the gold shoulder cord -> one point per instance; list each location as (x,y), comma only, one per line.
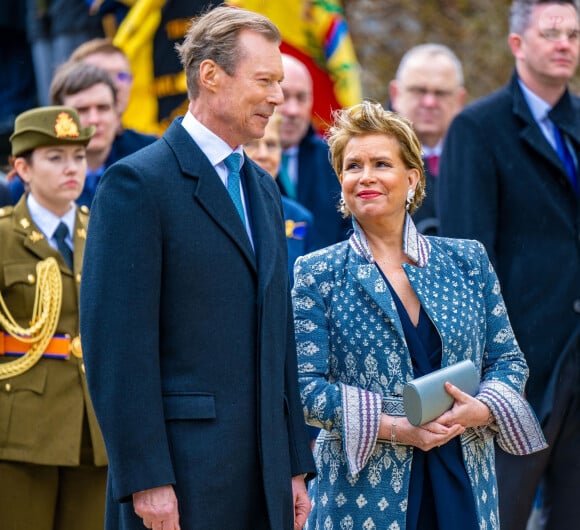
(45,316)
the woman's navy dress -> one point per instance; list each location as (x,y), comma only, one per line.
(440,495)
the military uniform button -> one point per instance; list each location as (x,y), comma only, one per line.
(78,278)
(31,278)
(83,368)
(577,306)
(8,387)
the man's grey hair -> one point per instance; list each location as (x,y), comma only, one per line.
(430,50)
(214,36)
(521,12)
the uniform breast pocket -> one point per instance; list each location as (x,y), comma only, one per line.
(20,400)
(20,289)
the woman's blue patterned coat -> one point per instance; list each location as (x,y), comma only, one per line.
(354,361)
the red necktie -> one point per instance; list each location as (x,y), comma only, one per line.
(433,164)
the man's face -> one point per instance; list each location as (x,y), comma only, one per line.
(243,102)
(297,107)
(428,94)
(118,67)
(96,106)
(547,52)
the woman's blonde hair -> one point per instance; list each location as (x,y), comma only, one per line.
(370,117)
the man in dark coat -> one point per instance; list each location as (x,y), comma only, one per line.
(428,90)
(504,183)
(185,312)
(310,179)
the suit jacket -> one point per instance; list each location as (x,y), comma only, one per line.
(318,190)
(42,410)
(191,362)
(502,183)
(354,361)
(426,217)
(299,227)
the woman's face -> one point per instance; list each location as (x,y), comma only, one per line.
(55,175)
(375,180)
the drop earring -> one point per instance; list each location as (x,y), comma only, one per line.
(410,198)
(342,204)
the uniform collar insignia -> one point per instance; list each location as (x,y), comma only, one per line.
(35,236)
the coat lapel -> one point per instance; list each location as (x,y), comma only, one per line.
(531,132)
(32,237)
(372,283)
(210,193)
(361,265)
(264,209)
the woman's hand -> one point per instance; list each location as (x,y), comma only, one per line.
(466,411)
(425,437)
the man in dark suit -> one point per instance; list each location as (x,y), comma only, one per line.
(428,90)
(503,182)
(310,179)
(186,316)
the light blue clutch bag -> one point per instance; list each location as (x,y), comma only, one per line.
(425,398)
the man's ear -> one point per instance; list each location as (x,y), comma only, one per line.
(209,74)
(515,44)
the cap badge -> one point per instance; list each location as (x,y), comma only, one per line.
(65,126)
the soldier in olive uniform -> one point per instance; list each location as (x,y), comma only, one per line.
(52,457)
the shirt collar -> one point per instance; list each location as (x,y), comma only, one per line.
(291,151)
(210,143)
(433,151)
(415,245)
(538,107)
(46,221)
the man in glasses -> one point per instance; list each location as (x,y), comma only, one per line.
(103,53)
(509,178)
(428,90)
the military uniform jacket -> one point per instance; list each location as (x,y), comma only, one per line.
(42,410)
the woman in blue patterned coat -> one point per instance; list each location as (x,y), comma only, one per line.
(380,309)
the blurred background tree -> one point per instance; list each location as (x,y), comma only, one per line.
(476,30)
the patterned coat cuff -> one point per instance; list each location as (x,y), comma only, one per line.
(362,416)
(519,432)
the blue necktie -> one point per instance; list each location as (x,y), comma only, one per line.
(284,177)
(60,235)
(566,157)
(233,162)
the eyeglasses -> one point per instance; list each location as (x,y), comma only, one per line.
(124,77)
(271,146)
(556,35)
(420,92)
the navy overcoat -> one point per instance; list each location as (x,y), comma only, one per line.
(188,340)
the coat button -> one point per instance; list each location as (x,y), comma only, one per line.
(8,387)
(31,279)
(83,368)
(577,306)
